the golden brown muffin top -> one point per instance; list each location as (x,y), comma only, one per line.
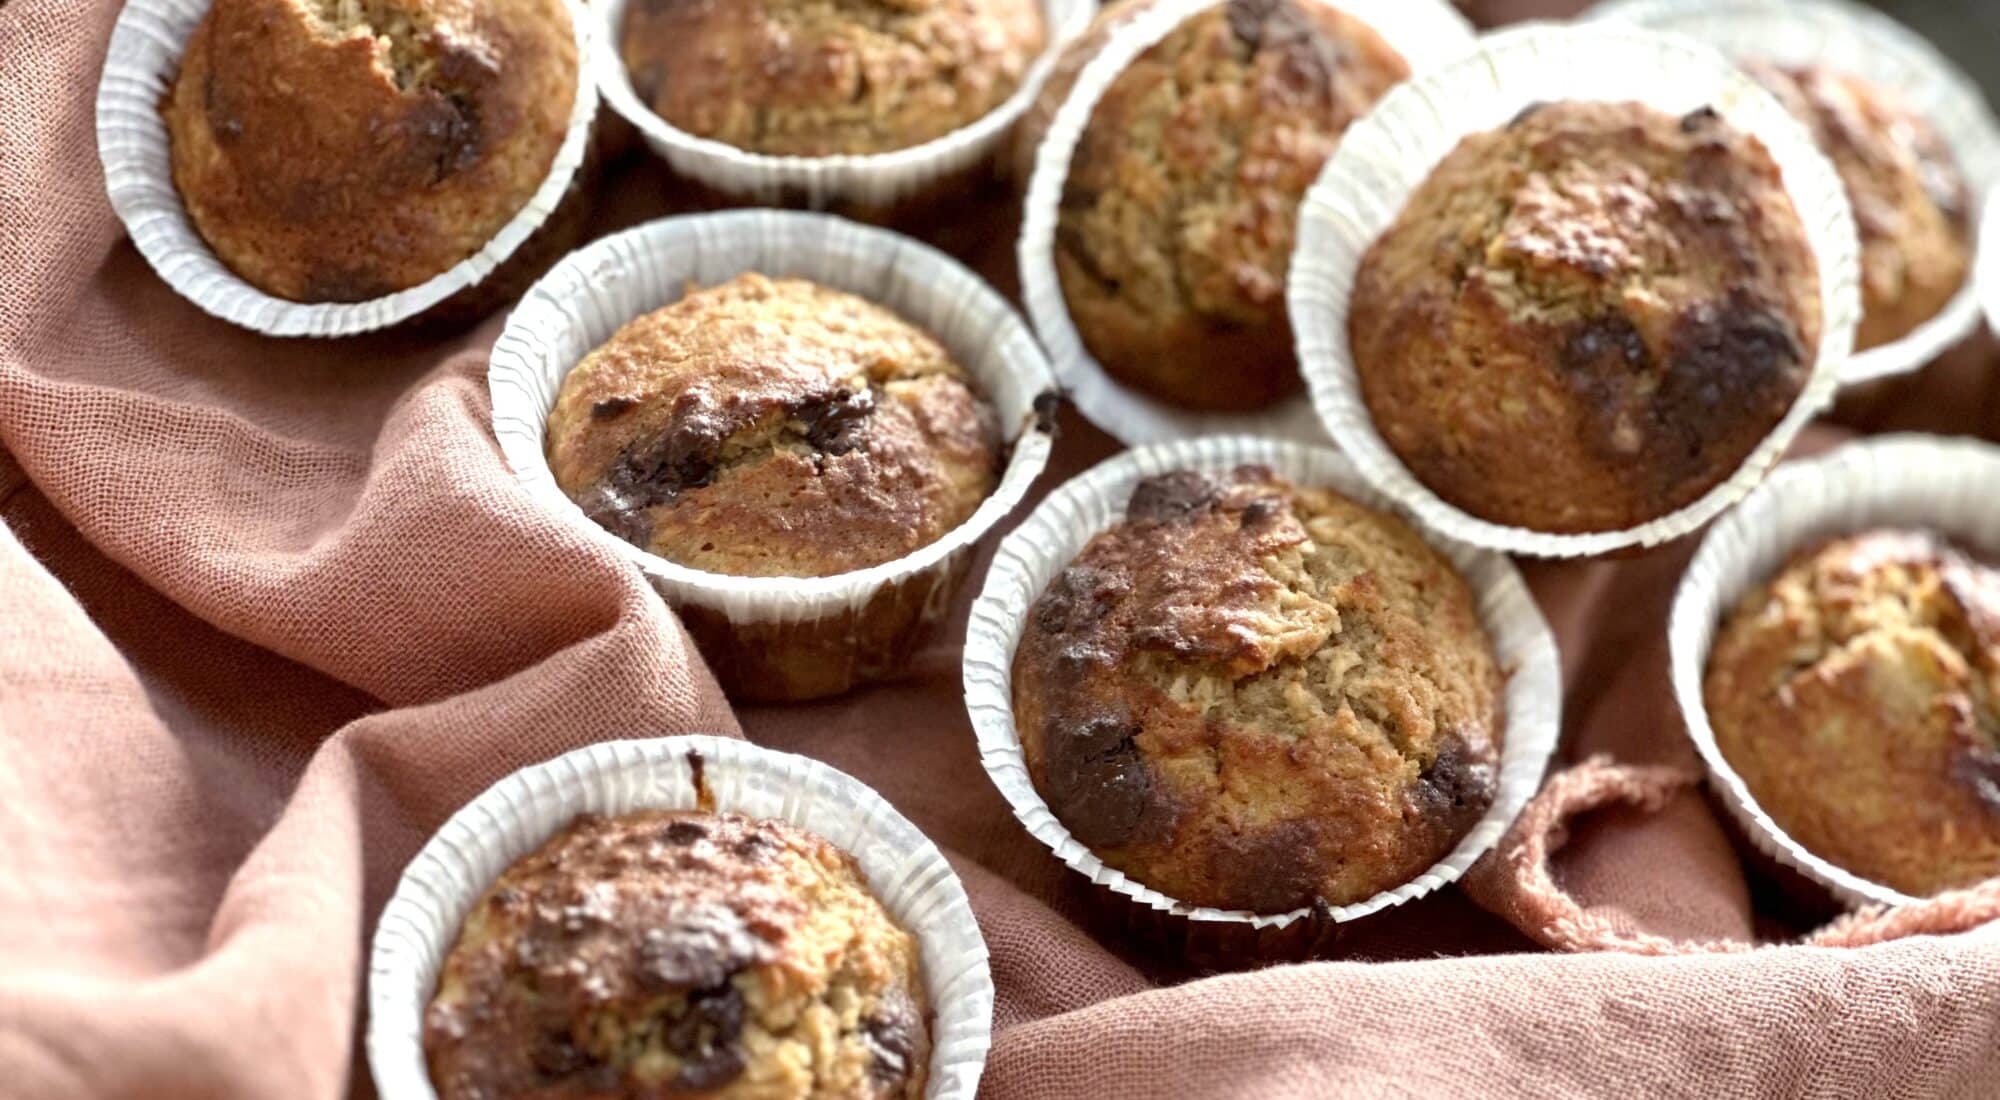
(1910,202)
(774,427)
(1254,695)
(1177,219)
(1858,696)
(1587,318)
(819,77)
(666,954)
(341,150)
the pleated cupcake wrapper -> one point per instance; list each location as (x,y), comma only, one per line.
(1905,481)
(139,71)
(1426,32)
(1987,272)
(1056,532)
(1389,152)
(871,180)
(518,814)
(581,302)
(1858,41)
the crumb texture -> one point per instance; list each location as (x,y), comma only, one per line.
(1178,215)
(341,150)
(680,954)
(774,427)
(1258,696)
(1910,202)
(821,77)
(1858,696)
(1588,318)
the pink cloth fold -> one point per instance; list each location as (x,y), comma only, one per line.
(271,610)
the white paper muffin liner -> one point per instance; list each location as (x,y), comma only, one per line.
(1388,153)
(518,814)
(1909,481)
(1052,536)
(865,180)
(139,70)
(1859,41)
(584,299)
(1426,32)
(1987,271)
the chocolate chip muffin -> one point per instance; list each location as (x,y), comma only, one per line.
(820,77)
(774,428)
(680,954)
(1259,696)
(1177,219)
(1858,696)
(1910,202)
(342,150)
(1588,318)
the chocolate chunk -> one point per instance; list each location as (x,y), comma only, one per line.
(651,472)
(446,125)
(1171,497)
(892,1033)
(1262,510)
(1456,786)
(705,1039)
(834,421)
(696,948)
(1727,362)
(1524,114)
(684,832)
(1078,598)
(1099,785)
(1310,58)
(1698,119)
(612,407)
(555,1054)
(1047,404)
(1604,361)
(222,117)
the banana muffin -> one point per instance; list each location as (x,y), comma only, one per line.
(1176,224)
(774,428)
(1588,318)
(1858,696)
(820,77)
(1910,202)
(1259,696)
(680,954)
(342,150)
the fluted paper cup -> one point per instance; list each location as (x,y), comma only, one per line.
(1388,153)
(521,812)
(1858,41)
(1057,531)
(868,181)
(144,59)
(1908,481)
(847,628)
(1426,32)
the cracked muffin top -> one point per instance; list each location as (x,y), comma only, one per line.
(774,427)
(680,954)
(1259,696)
(820,77)
(1910,202)
(1588,318)
(1858,696)
(1176,224)
(341,150)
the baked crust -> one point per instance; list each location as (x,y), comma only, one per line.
(1858,696)
(1588,318)
(1910,202)
(774,427)
(667,954)
(1257,696)
(1177,219)
(341,150)
(821,77)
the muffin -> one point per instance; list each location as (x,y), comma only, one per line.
(342,150)
(814,78)
(777,428)
(680,954)
(1910,202)
(1258,696)
(1175,229)
(1858,696)
(774,428)
(1588,318)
